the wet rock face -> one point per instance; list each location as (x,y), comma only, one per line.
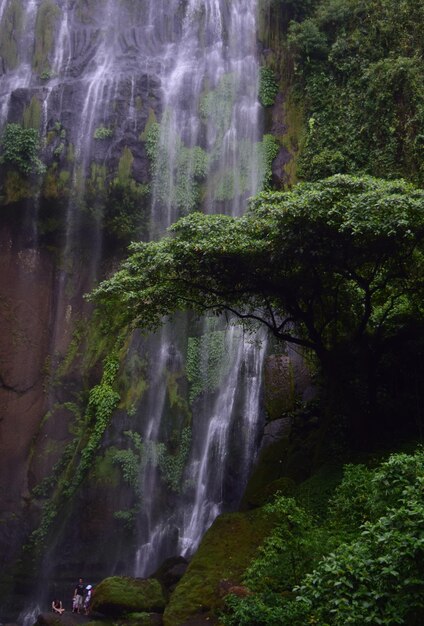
(85,75)
(25,307)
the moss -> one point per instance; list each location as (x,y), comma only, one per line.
(176,397)
(45,24)
(119,595)
(105,473)
(97,181)
(125,166)
(293,137)
(32,114)
(132,392)
(286,486)
(10,30)
(70,155)
(16,188)
(149,123)
(56,185)
(225,552)
(270,466)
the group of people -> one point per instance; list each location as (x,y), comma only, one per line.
(80,601)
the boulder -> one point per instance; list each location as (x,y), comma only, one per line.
(171,571)
(120,595)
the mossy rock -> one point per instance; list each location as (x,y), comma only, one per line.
(225,552)
(286,486)
(120,595)
(271,466)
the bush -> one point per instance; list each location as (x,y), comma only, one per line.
(20,147)
(374,576)
(268,87)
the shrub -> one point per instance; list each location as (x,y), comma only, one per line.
(20,148)
(268,87)
(102,132)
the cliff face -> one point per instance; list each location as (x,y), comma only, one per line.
(116,119)
(71,76)
(26,278)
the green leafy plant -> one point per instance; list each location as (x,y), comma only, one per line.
(172,465)
(371,573)
(20,148)
(103,132)
(268,86)
(207,362)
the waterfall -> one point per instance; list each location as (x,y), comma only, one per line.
(103,82)
(211,114)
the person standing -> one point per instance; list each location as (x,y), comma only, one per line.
(79,593)
(87,599)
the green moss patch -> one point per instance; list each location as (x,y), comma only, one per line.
(119,595)
(226,550)
(10,30)
(47,16)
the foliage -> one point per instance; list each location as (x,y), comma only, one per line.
(268,87)
(176,177)
(287,552)
(129,463)
(332,266)
(216,109)
(207,362)
(374,576)
(350,505)
(20,148)
(102,132)
(129,459)
(359,75)
(121,205)
(268,150)
(172,465)
(126,209)
(102,401)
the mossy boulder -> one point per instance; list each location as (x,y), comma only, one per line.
(120,595)
(226,550)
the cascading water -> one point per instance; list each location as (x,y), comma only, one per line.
(104,85)
(209,136)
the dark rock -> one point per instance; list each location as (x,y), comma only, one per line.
(66,619)
(171,571)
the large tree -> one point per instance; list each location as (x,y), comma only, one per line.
(335,266)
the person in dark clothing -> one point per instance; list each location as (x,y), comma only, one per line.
(79,593)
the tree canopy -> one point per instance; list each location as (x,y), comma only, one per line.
(330,264)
